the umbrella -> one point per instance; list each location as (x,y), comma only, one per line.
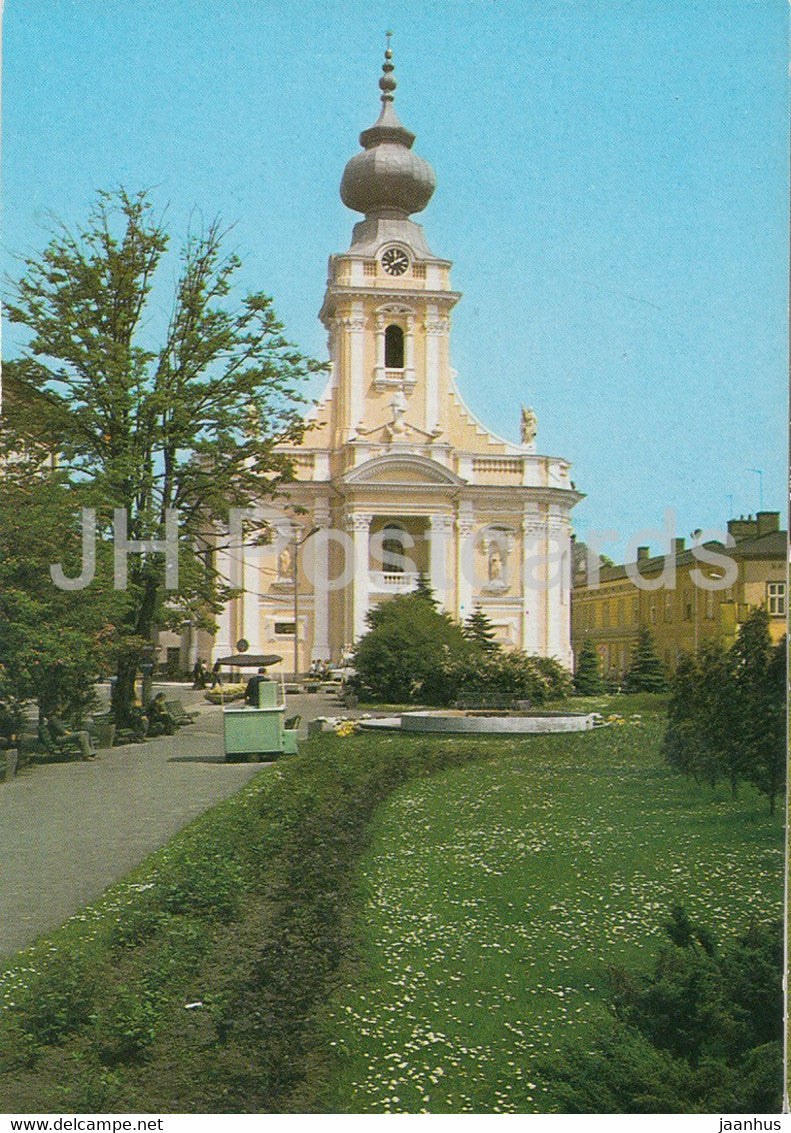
(245,660)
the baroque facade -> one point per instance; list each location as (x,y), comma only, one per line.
(395,476)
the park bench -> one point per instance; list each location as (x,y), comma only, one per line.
(180,714)
(41,743)
(485,704)
(9,759)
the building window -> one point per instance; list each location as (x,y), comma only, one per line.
(419,271)
(668,607)
(710,604)
(635,612)
(393,549)
(621,611)
(369,267)
(687,608)
(394,347)
(284,629)
(776,599)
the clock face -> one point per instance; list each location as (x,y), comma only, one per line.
(394,261)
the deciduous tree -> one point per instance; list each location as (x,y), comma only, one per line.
(186,418)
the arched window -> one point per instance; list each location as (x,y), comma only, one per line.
(394,347)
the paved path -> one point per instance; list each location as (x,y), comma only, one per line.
(68,830)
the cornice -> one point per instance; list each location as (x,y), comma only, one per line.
(387,294)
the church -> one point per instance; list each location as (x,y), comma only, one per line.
(395,477)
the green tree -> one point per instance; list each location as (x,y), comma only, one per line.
(680,740)
(480,632)
(700,1033)
(646,671)
(758,734)
(54,643)
(190,423)
(401,658)
(588,679)
(423,589)
(727,712)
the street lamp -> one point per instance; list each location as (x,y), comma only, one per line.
(296,544)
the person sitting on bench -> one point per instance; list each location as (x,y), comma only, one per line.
(61,736)
(160,721)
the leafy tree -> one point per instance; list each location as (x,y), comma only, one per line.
(480,632)
(646,671)
(190,423)
(588,677)
(401,658)
(498,679)
(53,643)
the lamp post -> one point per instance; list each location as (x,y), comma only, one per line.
(296,544)
(760,474)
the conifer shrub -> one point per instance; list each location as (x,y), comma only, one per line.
(701,1033)
(646,672)
(588,675)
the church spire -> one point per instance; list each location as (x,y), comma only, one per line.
(387,179)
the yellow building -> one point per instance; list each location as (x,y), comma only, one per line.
(396,477)
(680,611)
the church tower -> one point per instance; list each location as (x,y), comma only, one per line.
(395,476)
(388,298)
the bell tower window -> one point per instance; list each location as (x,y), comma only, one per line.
(394,347)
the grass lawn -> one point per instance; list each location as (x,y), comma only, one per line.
(381,923)
(494,896)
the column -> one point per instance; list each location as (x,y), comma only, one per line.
(321,574)
(380,325)
(436,327)
(251,607)
(440,527)
(355,324)
(558,599)
(533,580)
(359,524)
(465,560)
(409,351)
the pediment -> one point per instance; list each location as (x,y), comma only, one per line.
(402,469)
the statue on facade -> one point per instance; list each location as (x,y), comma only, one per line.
(529,426)
(285,562)
(399,408)
(495,564)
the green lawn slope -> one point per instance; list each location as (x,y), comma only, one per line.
(380,923)
(494,898)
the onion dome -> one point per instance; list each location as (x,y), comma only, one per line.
(387,179)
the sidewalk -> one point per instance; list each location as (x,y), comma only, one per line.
(68,830)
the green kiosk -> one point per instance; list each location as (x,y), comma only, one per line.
(253,731)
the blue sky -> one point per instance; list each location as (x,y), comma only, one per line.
(612,189)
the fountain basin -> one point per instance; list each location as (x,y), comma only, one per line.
(454,722)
